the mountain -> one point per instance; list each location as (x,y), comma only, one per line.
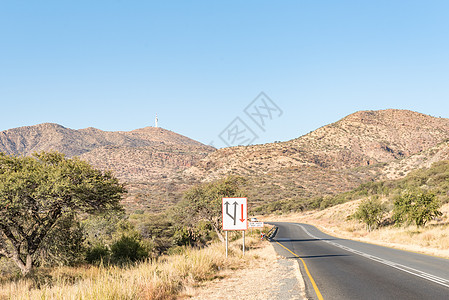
(157,165)
(332,159)
(49,136)
(146,159)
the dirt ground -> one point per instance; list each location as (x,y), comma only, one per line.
(267,276)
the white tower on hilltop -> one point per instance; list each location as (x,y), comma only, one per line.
(155,121)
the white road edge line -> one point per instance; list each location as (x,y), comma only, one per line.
(417,273)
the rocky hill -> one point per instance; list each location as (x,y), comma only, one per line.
(147,159)
(158,164)
(49,136)
(424,159)
(332,159)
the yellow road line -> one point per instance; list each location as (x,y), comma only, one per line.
(315,287)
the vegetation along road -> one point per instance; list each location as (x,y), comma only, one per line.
(343,269)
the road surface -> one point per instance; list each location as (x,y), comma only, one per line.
(336,268)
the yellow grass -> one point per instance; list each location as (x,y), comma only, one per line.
(162,279)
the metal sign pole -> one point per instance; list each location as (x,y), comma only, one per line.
(226,244)
(243,242)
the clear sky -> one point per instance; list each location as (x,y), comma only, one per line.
(198,64)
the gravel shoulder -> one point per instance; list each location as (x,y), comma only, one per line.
(266,276)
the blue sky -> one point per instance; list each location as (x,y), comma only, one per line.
(114,64)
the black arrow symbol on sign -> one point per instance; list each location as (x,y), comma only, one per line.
(233,217)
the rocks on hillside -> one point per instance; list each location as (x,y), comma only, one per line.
(147,160)
(334,158)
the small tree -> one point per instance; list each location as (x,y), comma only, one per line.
(203,202)
(370,212)
(416,207)
(40,193)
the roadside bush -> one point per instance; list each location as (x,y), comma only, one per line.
(197,236)
(416,207)
(97,254)
(128,249)
(371,212)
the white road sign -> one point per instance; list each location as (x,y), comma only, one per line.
(255,224)
(235,213)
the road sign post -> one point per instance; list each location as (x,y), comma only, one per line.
(234,217)
(243,248)
(226,244)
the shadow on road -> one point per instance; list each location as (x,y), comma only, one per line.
(302,240)
(323,256)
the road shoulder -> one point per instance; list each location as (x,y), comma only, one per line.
(267,276)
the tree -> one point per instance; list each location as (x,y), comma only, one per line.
(203,202)
(64,244)
(370,212)
(416,207)
(40,193)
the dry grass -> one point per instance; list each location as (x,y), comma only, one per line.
(264,278)
(162,279)
(433,239)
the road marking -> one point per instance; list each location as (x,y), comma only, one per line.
(427,276)
(315,287)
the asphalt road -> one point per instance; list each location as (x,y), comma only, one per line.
(345,269)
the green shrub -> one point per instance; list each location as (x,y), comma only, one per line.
(370,212)
(98,254)
(128,249)
(191,236)
(416,207)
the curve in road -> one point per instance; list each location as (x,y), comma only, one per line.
(345,269)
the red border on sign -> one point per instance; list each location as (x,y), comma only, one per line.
(222,213)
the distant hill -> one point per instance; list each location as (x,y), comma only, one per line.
(147,159)
(157,164)
(332,159)
(49,136)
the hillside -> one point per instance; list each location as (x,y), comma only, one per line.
(332,159)
(146,159)
(158,164)
(398,168)
(49,136)
(434,179)
(430,239)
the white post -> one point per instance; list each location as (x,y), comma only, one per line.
(243,242)
(226,243)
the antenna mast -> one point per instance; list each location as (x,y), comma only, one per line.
(155,121)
